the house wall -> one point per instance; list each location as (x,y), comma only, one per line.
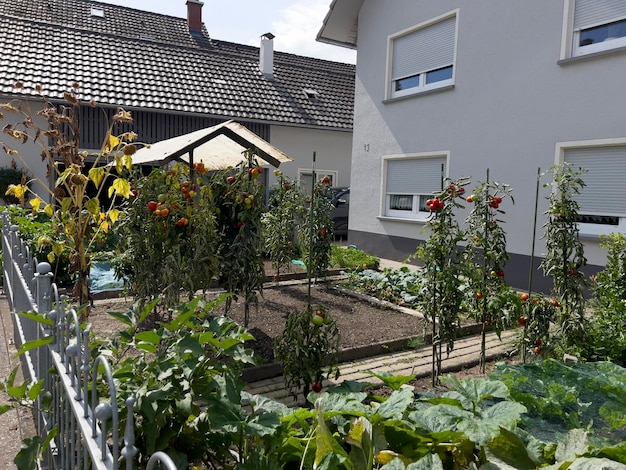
(30,152)
(511,103)
(332,150)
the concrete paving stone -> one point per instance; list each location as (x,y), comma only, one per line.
(466,353)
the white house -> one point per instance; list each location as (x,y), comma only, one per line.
(509,86)
(174,78)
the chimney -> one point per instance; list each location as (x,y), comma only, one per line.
(266,59)
(194,15)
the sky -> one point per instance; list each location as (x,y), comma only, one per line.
(294,23)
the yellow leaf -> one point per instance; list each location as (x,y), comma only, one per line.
(128,162)
(119,164)
(51,257)
(112,142)
(35,203)
(114,214)
(96,175)
(105,226)
(121,187)
(49,210)
(58,248)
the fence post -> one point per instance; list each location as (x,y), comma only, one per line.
(43,281)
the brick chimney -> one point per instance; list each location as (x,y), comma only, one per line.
(266,59)
(194,15)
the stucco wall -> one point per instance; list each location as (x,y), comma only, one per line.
(511,103)
(332,149)
(30,151)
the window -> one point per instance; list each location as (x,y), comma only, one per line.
(422,58)
(599,25)
(602,200)
(305,176)
(410,182)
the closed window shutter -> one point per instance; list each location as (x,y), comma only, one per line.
(604,192)
(589,13)
(429,48)
(414,176)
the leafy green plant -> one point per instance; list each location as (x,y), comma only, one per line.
(441,257)
(565,256)
(607,331)
(185,377)
(402,286)
(561,397)
(485,257)
(168,240)
(352,258)
(280,222)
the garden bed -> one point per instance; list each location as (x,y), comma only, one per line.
(360,322)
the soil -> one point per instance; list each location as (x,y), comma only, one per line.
(360,322)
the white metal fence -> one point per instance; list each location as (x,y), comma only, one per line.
(79,414)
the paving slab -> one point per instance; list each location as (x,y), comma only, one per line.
(418,362)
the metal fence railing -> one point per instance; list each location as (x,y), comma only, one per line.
(70,377)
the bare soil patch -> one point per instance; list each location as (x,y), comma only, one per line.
(360,323)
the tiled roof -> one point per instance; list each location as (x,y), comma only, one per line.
(57,42)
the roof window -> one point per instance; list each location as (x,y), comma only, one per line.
(97,12)
(310,93)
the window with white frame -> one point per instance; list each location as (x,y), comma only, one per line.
(409,183)
(602,199)
(305,176)
(423,57)
(598,25)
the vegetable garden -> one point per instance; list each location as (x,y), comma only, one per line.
(180,230)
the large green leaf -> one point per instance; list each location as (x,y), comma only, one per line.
(508,447)
(572,445)
(440,418)
(396,404)
(392,381)
(428,462)
(264,424)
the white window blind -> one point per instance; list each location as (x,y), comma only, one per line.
(428,48)
(604,192)
(589,13)
(414,176)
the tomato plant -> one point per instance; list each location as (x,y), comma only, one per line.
(281,221)
(316,230)
(239,202)
(168,248)
(565,256)
(441,257)
(485,257)
(307,349)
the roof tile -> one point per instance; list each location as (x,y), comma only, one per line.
(177,72)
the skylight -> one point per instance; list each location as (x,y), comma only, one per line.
(98,12)
(310,93)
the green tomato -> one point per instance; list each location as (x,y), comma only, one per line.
(317,320)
